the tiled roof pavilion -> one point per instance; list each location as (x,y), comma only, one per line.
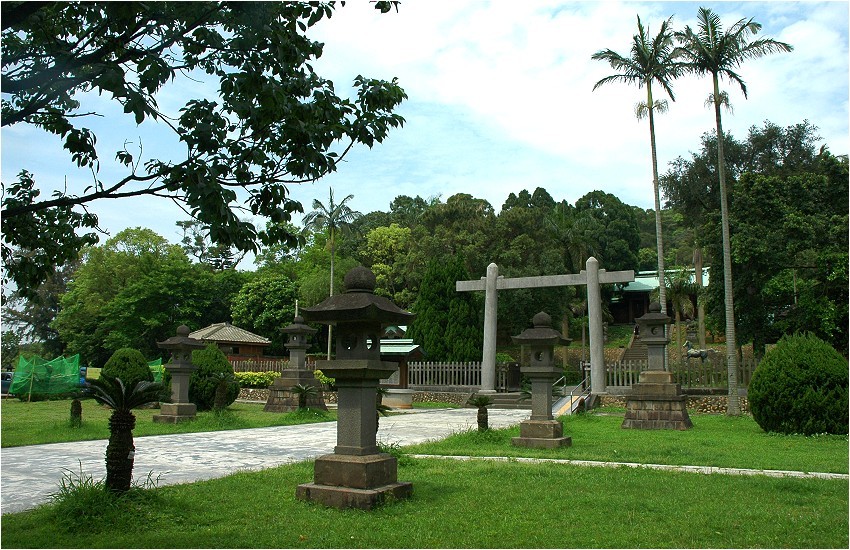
(229,334)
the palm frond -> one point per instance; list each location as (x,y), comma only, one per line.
(112,392)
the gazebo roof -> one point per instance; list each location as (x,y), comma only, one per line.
(230,334)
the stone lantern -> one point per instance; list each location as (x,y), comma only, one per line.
(357,474)
(542,430)
(281,398)
(181,368)
(656,402)
(651,328)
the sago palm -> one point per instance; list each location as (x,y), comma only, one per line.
(120,451)
(482,402)
(335,218)
(711,50)
(304,392)
(650,60)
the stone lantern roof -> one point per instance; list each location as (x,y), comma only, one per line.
(298,327)
(181,341)
(542,334)
(358,304)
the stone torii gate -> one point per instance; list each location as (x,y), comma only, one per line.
(591,276)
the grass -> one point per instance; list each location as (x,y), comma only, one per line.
(435,405)
(462,505)
(48,421)
(715,440)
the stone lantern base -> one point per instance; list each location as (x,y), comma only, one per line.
(656,403)
(350,481)
(174,413)
(282,399)
(541,434)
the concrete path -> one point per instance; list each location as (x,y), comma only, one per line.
(28,475)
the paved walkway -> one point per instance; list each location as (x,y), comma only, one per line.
(28,475)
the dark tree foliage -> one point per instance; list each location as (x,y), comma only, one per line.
(449,325)
(789,221)
(618,238)
(272,122)
(213,369)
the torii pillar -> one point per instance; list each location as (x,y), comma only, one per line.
(591,276)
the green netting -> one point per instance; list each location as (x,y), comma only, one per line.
(39,376)
(157,369)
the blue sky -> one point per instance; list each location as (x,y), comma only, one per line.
(500,100)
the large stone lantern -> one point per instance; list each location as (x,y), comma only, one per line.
(651,329)
(656,402)
(542,430)
(181,368)
(281,397)
(357,474)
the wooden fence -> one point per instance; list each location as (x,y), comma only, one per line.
(693,374)
(457,376)
(264,365)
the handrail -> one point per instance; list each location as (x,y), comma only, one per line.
(585,390)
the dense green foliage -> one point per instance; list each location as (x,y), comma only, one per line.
(272,120)
(801,386)
(264,306)
(129,365)
(448,323)
(211,363)
(790,238)
(255,379)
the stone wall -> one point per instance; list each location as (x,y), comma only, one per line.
(705,404)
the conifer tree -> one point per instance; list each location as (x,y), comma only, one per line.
(447,324)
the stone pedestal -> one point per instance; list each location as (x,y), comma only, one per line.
(348,481)
(282,399)
(656,403)
(541,434)
(174,413)
(399,398)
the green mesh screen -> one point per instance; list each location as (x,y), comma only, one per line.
(36,375)
(157,369)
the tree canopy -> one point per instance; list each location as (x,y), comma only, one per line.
(272,121)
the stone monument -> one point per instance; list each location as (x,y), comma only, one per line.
(357,474)
(656,402)
(281,397)
(541,430)
(181,368)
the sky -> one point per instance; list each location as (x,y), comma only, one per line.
(501,99)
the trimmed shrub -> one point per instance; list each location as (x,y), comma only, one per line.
(203,383)
(129,365)
(256,379)
(801,387)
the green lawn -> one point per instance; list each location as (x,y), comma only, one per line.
(463,505)
(715,440)
(47,421)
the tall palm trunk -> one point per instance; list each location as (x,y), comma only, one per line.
(734,406)
(333,255)
(659,239)
(120,451)
(700,305)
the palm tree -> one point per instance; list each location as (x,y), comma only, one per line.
(651,59)
(680,287)
(120,450)
(304,392)
(713,51)
(482,402)
(335,218)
